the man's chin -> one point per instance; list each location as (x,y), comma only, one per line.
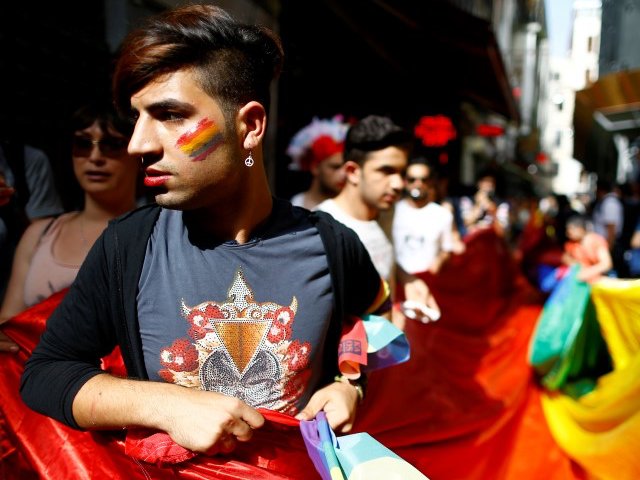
(166,200)
(385,206)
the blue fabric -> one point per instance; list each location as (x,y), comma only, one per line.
(634,262)
(388,344)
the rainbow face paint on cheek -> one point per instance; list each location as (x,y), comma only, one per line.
(201,140)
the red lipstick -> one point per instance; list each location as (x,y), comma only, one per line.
(156,181)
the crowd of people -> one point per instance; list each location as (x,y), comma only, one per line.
(183,284)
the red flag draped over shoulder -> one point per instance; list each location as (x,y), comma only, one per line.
(465,405)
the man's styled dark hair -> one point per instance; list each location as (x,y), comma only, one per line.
(234,63)
(374,133)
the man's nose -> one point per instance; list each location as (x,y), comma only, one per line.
(142,141)
(397,182)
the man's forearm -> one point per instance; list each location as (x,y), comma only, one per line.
(198,420)
(107,402)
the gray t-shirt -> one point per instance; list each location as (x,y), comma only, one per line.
(246,320)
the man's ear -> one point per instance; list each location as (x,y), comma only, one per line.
(352,172)
(251,124)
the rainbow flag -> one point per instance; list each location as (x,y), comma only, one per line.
(371,343)
(600,428)
(352,457)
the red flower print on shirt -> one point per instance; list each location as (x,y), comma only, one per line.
(281,327)
(181,356)
(298,355)
(202,321)
(295,385)
(166,375)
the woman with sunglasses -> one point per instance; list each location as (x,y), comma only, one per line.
(50,252)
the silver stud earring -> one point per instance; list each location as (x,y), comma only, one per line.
(249,160)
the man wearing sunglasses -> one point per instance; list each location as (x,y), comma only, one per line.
(422,229)
(422,236)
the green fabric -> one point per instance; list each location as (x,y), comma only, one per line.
(567,350)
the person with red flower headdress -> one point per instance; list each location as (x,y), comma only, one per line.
(317,148)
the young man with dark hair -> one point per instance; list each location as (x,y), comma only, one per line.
(220,288)
(375,152)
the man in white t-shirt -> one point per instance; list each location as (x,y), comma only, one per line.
(422,229)
(375,152)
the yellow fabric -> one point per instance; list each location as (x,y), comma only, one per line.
(601,430)
(617,305)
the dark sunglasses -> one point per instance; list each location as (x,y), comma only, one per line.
(83,146)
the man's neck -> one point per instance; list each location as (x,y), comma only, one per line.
(350,201)
(236,218)
(314,195)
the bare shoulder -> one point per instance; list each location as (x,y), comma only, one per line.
(34,232)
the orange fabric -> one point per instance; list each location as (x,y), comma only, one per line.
(465,406)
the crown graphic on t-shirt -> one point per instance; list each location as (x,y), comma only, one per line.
(240,323)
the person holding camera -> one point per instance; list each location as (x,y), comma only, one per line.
(485,209)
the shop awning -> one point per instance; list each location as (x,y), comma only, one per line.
(607,107)
(399,55)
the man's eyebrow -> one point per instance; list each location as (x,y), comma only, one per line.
(169,104)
